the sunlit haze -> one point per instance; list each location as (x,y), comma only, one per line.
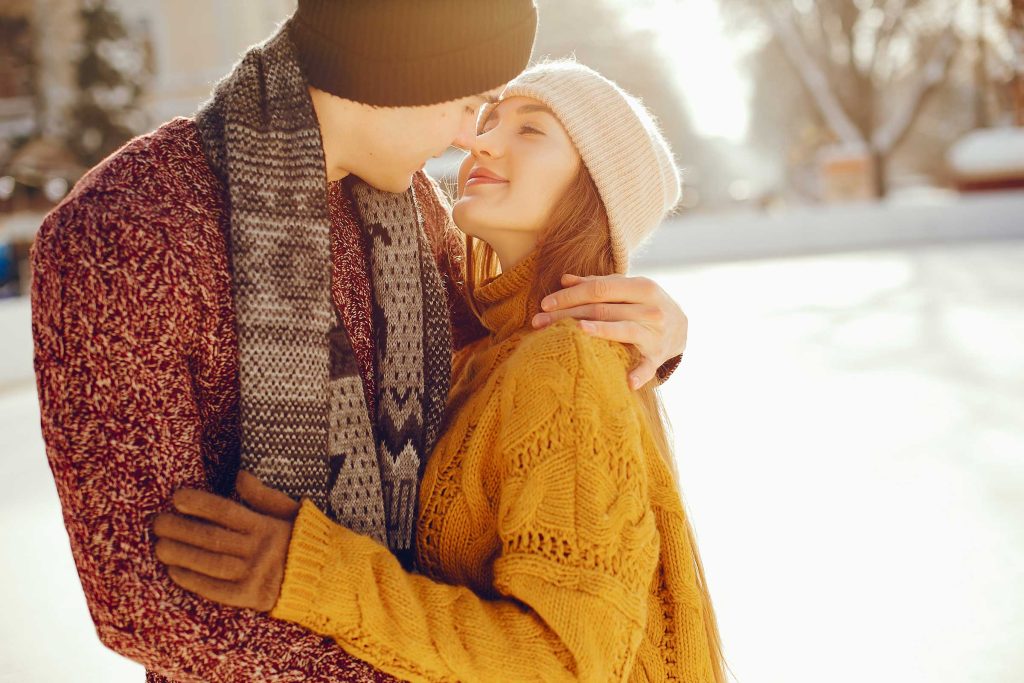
(703,61)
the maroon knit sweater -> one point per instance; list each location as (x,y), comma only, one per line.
(136,361)
(137,373)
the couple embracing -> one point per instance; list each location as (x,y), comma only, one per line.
(310,421)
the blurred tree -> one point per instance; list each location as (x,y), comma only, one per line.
(999,62)
(597,34)
(867,68)
(18,108)
(110,72)
(1011,20)
(16,64)
(786,128)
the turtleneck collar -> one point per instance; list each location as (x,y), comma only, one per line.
(504,301)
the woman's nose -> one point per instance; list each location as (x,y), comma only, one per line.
(487,144)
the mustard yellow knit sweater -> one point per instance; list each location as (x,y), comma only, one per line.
(550,536)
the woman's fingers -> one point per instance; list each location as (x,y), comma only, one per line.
(231,566)
(224,592)
(212,564)
(214,508)
(201,535)
(264,499)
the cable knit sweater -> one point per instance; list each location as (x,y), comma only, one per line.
(550,533)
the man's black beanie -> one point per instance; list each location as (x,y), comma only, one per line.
(412,52)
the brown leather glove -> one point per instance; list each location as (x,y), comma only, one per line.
(225,551)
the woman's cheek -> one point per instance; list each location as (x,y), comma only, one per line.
(464,169)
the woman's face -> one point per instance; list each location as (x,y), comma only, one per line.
(532,161)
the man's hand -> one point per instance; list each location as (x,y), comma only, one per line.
(224,551)
(634,310)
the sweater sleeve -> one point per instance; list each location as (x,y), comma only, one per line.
(668,368)
(579,550)
(114,315)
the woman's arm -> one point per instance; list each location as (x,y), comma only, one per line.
(579,547)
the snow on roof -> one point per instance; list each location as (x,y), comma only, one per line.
(988,153)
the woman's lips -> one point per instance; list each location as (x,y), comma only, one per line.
(483,180)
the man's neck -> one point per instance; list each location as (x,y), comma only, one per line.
(330,131)
(334,174)
(336,166)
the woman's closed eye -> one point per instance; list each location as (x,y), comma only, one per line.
(527,130)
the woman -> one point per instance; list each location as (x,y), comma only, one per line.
(551,535)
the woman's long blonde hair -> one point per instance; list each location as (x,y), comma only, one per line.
(576,240)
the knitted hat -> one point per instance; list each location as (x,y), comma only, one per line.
(619,142)
(394,53)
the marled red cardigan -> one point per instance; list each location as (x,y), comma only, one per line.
(137,376)
(136,369)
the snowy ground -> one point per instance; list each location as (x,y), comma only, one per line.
(911,216)
(850,440)
(15,343)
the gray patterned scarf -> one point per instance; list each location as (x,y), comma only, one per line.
(305,426)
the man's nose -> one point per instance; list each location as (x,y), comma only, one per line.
(467,131)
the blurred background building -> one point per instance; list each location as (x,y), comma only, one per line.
(849,248)
(78,78)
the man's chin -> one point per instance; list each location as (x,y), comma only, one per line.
(397,184)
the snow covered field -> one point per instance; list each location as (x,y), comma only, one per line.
(923,215)
(16,343)
(851,444)
(850,434)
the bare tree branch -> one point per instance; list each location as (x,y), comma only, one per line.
(813,76)
(1016,31)
(885,138)
(892,18)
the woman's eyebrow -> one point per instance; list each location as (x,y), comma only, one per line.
(526,109)
(530,108)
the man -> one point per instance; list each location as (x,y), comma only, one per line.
(188,321)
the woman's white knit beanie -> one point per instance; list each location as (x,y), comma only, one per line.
(619,142)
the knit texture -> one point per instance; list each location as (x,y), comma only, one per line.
(409,53)
(551,538)
(306,427)
(136,361)
(618,140)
